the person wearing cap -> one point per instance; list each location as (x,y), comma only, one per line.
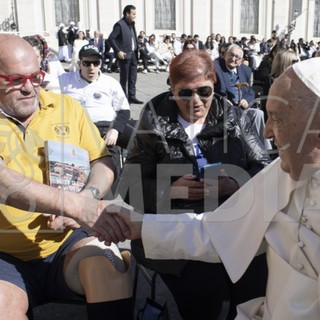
(103,98)
(279,206)
(123,40)
(45,255)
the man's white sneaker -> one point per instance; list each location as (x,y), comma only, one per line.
(144,71)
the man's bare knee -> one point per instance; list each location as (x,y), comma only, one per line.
(13,302)
(102,282)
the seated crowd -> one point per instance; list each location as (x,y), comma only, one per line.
(159,50)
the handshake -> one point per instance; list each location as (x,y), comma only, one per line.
(117,222)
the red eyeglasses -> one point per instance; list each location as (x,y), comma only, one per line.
(17,81)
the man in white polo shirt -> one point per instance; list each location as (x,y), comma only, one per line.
(103,98)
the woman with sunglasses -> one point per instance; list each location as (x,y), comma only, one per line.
(179,133)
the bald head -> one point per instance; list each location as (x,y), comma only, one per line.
(18,61)
(15,52)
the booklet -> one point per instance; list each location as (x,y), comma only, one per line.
(68,165)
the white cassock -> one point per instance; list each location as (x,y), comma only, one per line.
(270,209)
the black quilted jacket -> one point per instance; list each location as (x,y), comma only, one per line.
(160,139)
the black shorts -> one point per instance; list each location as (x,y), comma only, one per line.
(42,279)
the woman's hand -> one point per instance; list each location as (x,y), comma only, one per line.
(221,187)
(187,187)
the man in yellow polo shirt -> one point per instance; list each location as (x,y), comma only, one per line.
(45,257)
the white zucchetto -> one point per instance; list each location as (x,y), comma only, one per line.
(308,71)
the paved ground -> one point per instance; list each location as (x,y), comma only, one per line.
(148,85)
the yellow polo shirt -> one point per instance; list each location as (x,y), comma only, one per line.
(24,234)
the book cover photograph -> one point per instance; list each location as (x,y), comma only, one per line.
(68,165)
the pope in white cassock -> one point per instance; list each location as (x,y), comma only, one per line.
(279,207)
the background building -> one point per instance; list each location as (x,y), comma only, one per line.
(300,18)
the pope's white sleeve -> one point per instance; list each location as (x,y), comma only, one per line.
(233,232)
(180,236)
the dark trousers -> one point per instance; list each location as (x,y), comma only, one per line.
(144,57)
(128,75)
(109,56)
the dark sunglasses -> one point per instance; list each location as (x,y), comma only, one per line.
(95,63)
(202,92)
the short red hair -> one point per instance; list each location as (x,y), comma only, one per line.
(190,64)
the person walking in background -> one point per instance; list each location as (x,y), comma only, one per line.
(123,39)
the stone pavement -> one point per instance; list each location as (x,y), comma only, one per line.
(148,86)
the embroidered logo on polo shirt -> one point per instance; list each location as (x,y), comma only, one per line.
(62,129)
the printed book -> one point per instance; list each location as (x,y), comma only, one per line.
(68,165)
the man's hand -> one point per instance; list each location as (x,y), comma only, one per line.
(121,55)
(118,223)
(111,137)
(243,104)
(60,222)
(110,221)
